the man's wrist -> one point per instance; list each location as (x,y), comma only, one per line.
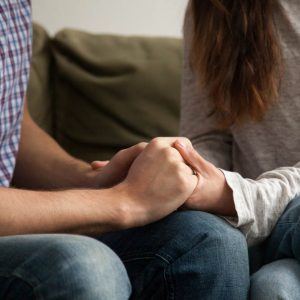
(129,211)
(103,210)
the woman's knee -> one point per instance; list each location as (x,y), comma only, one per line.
(277,280)
(85,268)
(210,230)
(203,235)
(214,256)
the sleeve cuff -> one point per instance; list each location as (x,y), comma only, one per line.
(236,183)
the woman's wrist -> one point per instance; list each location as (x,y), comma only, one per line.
(226,201)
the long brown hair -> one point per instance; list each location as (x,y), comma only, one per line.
(237,54)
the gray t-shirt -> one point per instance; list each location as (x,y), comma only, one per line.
(262,160)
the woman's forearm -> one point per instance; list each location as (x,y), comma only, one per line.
(259,203)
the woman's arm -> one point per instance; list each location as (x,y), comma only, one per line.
(256,203)
(254,206)
(259,203)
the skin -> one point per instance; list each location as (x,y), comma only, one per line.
(212,193)
(73,203)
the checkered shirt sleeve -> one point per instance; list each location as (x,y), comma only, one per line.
(15,53)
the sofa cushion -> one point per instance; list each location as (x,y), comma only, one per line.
(39,94)
(112,92)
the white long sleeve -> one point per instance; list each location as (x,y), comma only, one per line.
(259,203)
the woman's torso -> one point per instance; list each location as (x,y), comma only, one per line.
(275,142)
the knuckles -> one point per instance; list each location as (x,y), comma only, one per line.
(141,146)
(186,141)
(156,143)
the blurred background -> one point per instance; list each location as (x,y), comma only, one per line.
(126,17)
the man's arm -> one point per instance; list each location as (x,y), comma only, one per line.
(136,201)
(73,211)
(43,164)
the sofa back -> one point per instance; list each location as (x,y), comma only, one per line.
(97,94)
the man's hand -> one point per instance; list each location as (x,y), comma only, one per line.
(110,173)
(158,183)
(212,193)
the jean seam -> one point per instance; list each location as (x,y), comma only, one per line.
(287,223)
(20,276)
(138,258)
(169,283)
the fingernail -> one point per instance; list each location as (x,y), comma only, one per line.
(181,144)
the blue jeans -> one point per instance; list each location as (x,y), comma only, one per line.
(279,277)
(60,267)
(188,255)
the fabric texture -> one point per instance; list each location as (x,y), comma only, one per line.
(187,255)
(111,92)
(279,278)
(260,160)
(15,52)
(60,267)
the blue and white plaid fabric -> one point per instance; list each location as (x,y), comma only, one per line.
(15,53)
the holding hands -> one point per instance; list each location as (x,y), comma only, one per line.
(212,193)
(158,178)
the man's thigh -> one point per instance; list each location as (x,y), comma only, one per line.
(57,266)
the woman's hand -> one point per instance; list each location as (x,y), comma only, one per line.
(212,193)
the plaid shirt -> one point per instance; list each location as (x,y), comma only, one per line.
(15,52)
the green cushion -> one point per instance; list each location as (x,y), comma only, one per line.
(39,94)
(112,92)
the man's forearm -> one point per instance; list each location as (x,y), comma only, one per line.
(43,164)
(74,211)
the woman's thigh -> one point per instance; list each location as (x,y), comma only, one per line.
(60,267)
(284,241)
(277,280)
(184,256)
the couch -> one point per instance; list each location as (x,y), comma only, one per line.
(97,94)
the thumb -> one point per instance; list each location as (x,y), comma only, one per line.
(97,164)
(190,155)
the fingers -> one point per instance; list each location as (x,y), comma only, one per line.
(133,152)
(190,155)
(188,170)
(97,164)
(158,149)
(124,158)
(170,141)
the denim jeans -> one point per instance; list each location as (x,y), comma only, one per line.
(279,277)
(188,255)
(60,267)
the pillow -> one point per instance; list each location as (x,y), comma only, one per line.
(112,92)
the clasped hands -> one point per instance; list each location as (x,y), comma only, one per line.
(165,175)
